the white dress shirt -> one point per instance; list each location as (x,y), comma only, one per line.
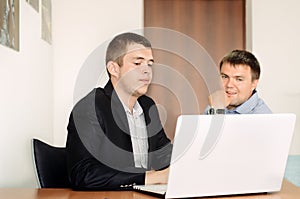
(138,134)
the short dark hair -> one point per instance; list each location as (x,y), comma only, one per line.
(117,48)
(244,57)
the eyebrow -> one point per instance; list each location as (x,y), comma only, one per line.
(142,58)
(236,76)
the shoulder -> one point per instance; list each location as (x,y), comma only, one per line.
(262,107)
(254,105)
(94,98)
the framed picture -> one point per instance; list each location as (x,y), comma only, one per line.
(46,21)
(9,23)
(34,4)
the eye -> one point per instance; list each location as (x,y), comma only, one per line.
(150,64)
(137,63)
(224,76)
(239,79)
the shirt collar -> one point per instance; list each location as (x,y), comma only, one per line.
(137,109)
(109,89)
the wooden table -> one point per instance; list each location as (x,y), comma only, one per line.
(288,191)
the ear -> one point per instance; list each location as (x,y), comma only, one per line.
(254,84)
(113,68)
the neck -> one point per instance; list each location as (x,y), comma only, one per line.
(128,100)
(230,107)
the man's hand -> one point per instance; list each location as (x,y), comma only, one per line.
(157,177)
(218,100)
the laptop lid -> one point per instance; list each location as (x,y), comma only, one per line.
(229,154)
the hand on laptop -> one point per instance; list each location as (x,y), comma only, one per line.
(157,177)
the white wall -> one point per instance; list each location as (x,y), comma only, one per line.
(37,83)
(78,29)
(26,101)
(275,42)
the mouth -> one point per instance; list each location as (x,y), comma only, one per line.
(145,81)
(231,93)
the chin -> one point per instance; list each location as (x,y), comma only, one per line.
(141,91)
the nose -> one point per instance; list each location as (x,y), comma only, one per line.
(229,82)
(146,69)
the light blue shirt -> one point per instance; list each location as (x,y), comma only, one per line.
(254,105)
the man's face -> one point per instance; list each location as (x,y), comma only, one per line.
(238,83)
(135,74)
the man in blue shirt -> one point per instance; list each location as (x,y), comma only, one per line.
(240,71)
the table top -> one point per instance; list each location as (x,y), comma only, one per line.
(288,191)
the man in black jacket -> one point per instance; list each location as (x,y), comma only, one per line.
(115,137)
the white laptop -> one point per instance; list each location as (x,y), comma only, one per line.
(227,155)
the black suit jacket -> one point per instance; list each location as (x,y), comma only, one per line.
(99,147)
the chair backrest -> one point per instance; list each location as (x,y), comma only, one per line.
(51,165)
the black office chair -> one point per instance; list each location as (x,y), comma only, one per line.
(51,165)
